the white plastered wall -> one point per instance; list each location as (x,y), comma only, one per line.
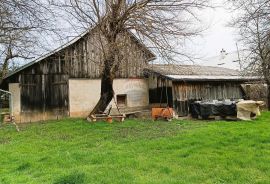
(85,93)
(14,88)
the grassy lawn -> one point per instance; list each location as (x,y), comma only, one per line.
(75,151)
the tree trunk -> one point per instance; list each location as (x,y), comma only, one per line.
(107,92)
(268,96)
(109,69)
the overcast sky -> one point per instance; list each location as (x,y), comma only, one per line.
(218,35)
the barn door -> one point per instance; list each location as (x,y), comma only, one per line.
(181,104)
(44,96)
(56,95)
(31,94)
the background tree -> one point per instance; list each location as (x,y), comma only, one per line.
(158,24)
(252,19)
(22,24)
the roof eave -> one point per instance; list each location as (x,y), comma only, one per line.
(213,80)
(48,54)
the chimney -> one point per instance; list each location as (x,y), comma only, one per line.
(223,54)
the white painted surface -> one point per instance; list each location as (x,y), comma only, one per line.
(85,93)
(14,88)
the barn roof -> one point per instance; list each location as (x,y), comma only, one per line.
(197,73)
(74,40)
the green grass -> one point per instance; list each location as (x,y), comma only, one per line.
(2,112)
(74,151)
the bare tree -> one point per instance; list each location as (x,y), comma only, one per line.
(155,22)
(252,20)
(22,23)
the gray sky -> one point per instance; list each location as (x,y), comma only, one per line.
(218,35)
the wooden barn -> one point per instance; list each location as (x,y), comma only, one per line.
(66,82)
(179,85)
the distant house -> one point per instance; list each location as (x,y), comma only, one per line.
(66,82)
(180,85)
(232,60)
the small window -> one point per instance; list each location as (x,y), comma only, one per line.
(121,100)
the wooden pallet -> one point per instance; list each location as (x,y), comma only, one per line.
(108,118)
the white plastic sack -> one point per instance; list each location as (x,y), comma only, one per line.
(246,107)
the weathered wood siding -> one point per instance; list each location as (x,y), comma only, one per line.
(44,85)
(186,93)
(83,60)
(207,91)
(163,91)
(44,95)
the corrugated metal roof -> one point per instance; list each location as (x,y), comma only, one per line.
(173,69)
(198,73)
(210,78)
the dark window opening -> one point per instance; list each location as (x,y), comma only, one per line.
(121,100)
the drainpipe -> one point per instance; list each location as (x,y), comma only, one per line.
(10,101)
